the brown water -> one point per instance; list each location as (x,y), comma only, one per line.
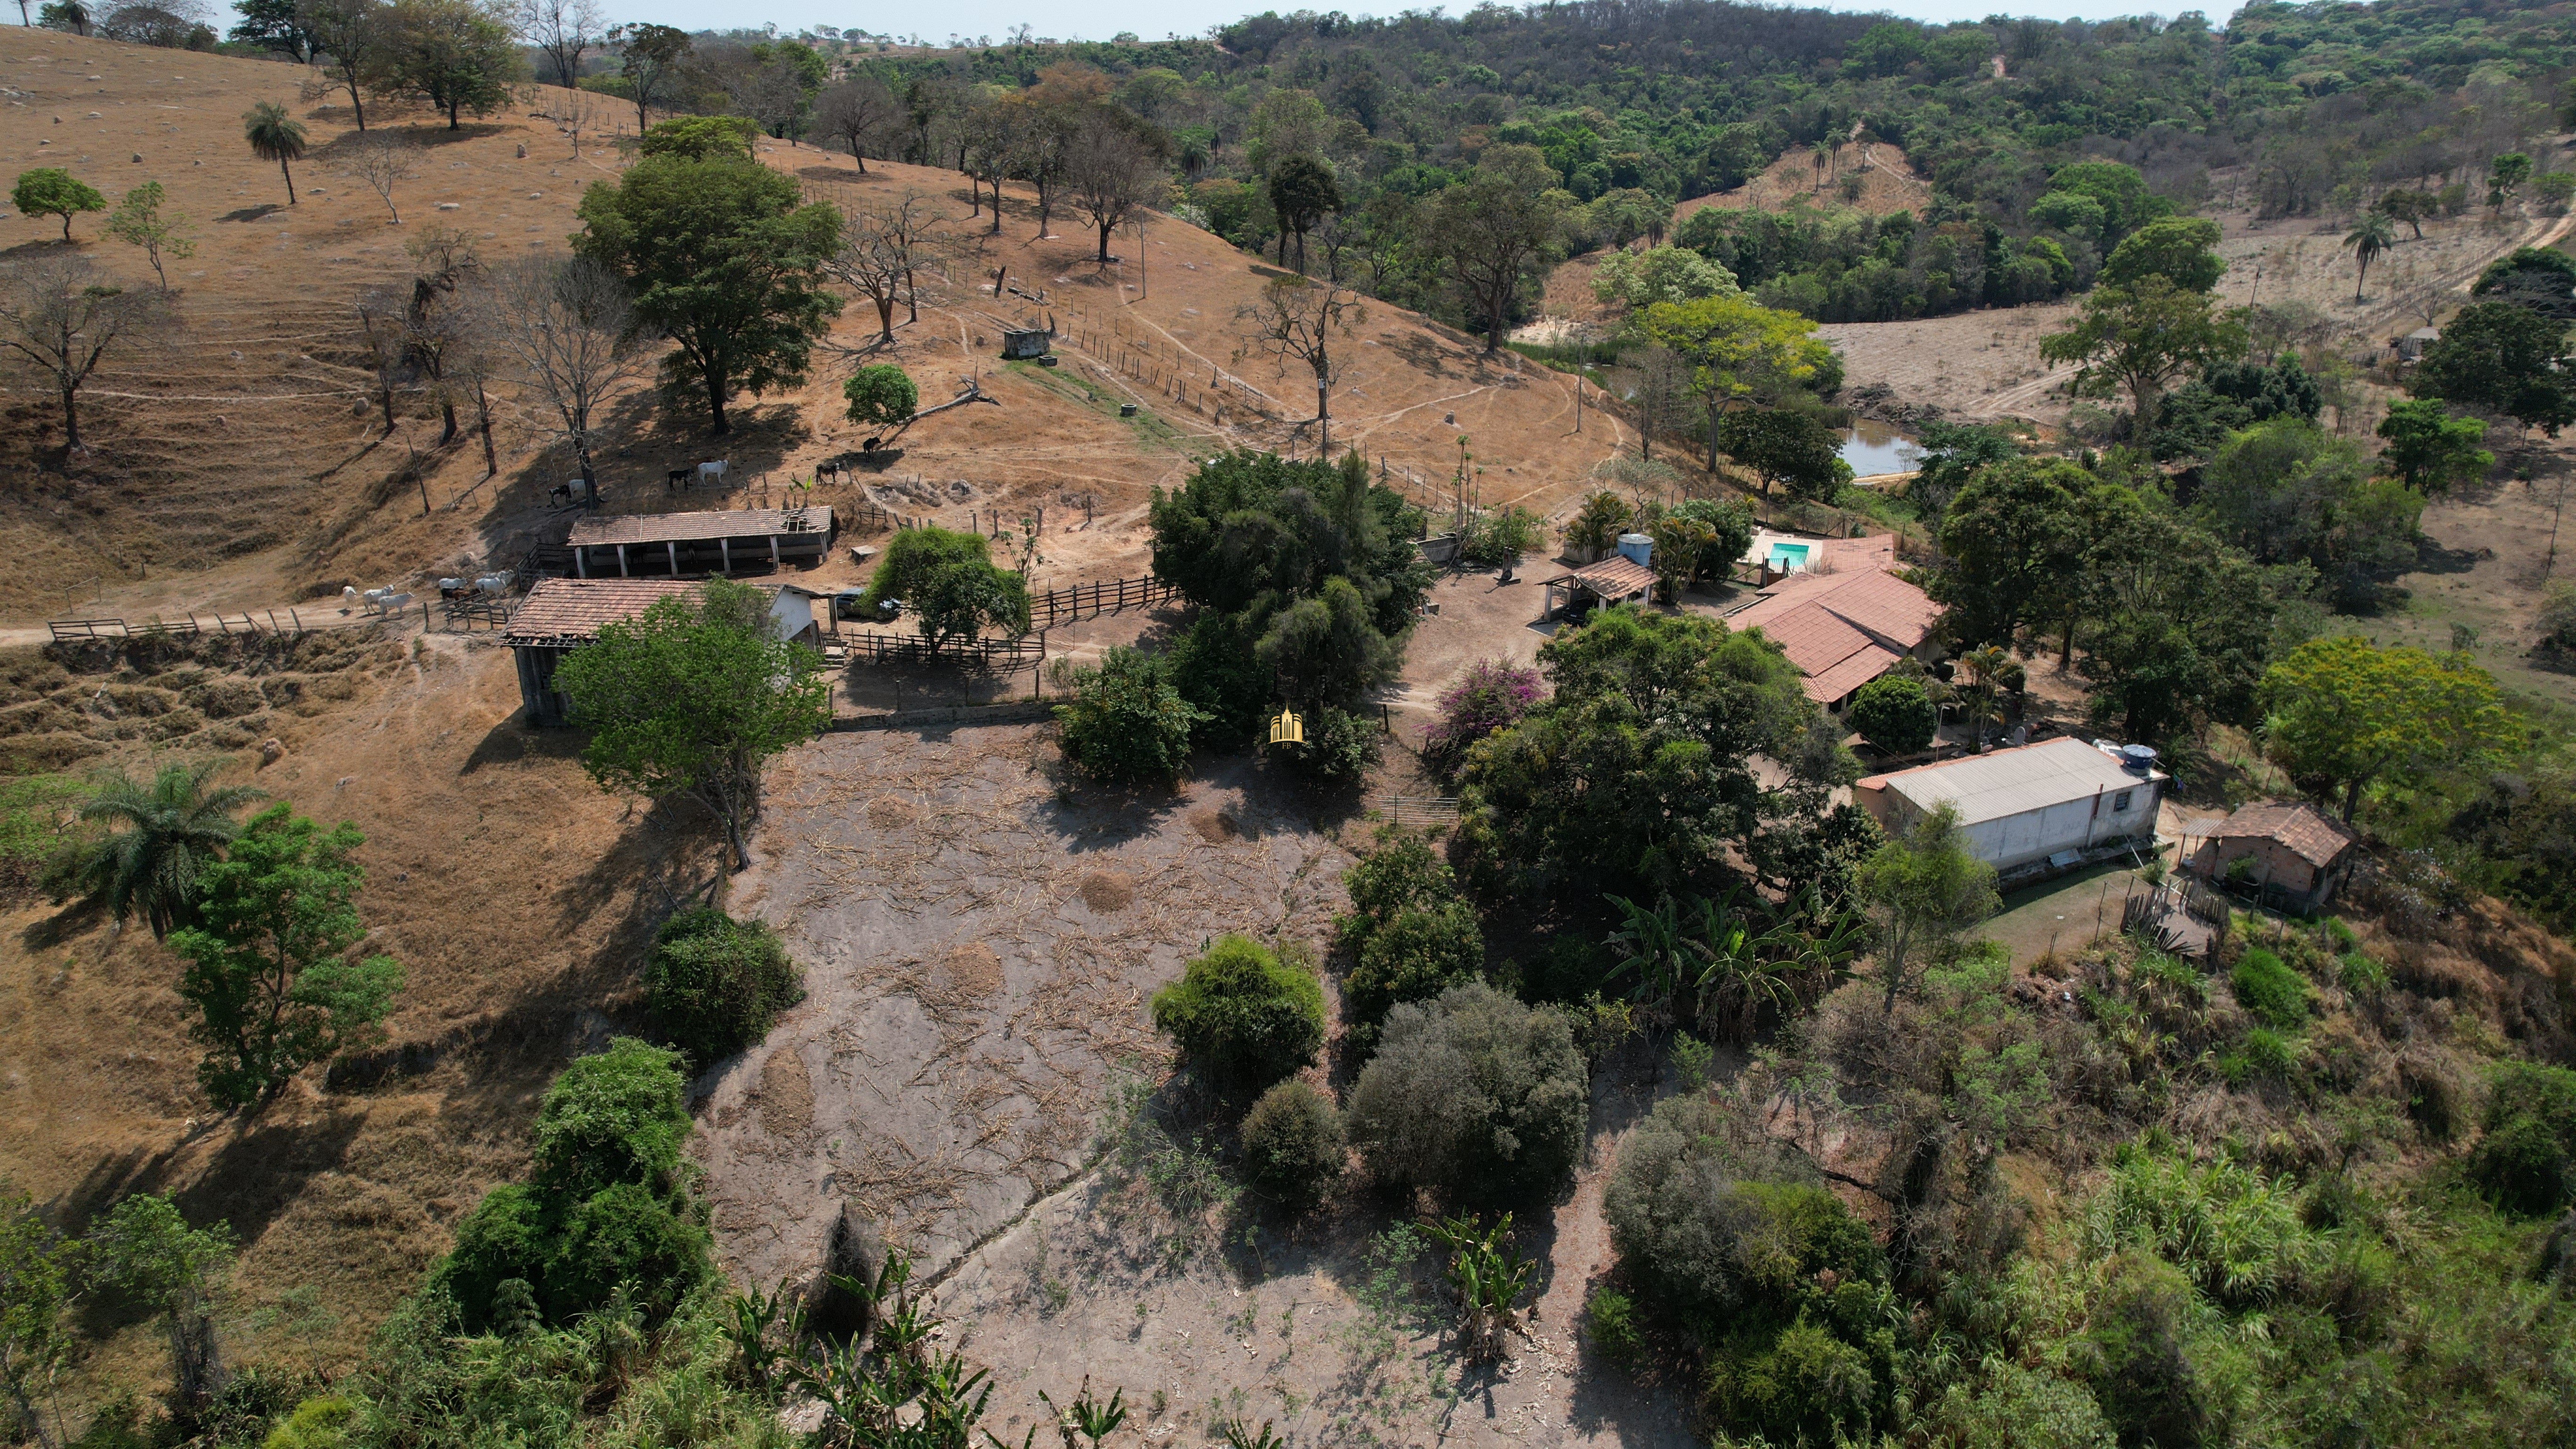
(1873,447)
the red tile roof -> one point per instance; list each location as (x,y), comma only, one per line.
(2310,833)
(561,612)
(1842,630)
(1615,577)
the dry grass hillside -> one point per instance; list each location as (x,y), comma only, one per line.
(235,463)
(1880,173)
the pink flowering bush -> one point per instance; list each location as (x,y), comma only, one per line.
(1493,695)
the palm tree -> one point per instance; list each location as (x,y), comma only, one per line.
(175,827)
(1823,154)
(2369,240)
(1984,670)
(275,136)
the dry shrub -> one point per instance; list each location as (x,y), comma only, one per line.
(973,970)
(2439,1098)
(1108,891)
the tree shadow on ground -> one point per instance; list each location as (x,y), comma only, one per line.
(251,213)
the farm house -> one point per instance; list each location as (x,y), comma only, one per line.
(561,615)
(676,545)
(1842,629)
(2029,809)
(2295,853)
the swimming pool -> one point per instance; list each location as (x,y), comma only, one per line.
(1789,557)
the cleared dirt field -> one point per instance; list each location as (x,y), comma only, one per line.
(978,947)
(1320,1329)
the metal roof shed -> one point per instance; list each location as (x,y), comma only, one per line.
(2031,804)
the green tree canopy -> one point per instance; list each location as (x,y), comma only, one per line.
(691,697)
(2009,538)
(949,582)
(1894,714)
(1302,194)
(2342,713)
(1924,888)
(2118,189)
(147,1254)
(1954,454)
(724,261)
(1242,1016)
(1739,350)
(52,191)
(1638,280)
(1634,775)
(2429,449)
(2142,336)
(2181,249)
(1493,229)
(1250,531)
(1788,447)
(2286,490)
(266,970)
(701,138)
(2537,279)
(458,55)
(2504,359)
(881,395)
(1127,721)
(273,135)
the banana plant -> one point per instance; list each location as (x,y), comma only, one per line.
(758,1353)
(1489,1273)
(1655,946)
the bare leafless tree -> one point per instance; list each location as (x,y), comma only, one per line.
(1113,166)
(860,114)
(383,161)
(1656,384)
(438,325)
(1297,319)
(882,247)
(578,111)
(992,134)
(563,31)
(62,315)
(566,327)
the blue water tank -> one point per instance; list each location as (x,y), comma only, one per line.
(1638,549)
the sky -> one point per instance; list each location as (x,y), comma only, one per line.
(1153,19)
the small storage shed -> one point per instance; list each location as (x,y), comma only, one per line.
(678,545)
(2295,852)
(2028,809)
(561,615)
(1613,580)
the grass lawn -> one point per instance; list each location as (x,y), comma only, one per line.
(2063,911)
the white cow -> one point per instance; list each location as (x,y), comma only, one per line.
(713,473)
(493,583)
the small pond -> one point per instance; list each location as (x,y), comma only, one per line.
(1874,447)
